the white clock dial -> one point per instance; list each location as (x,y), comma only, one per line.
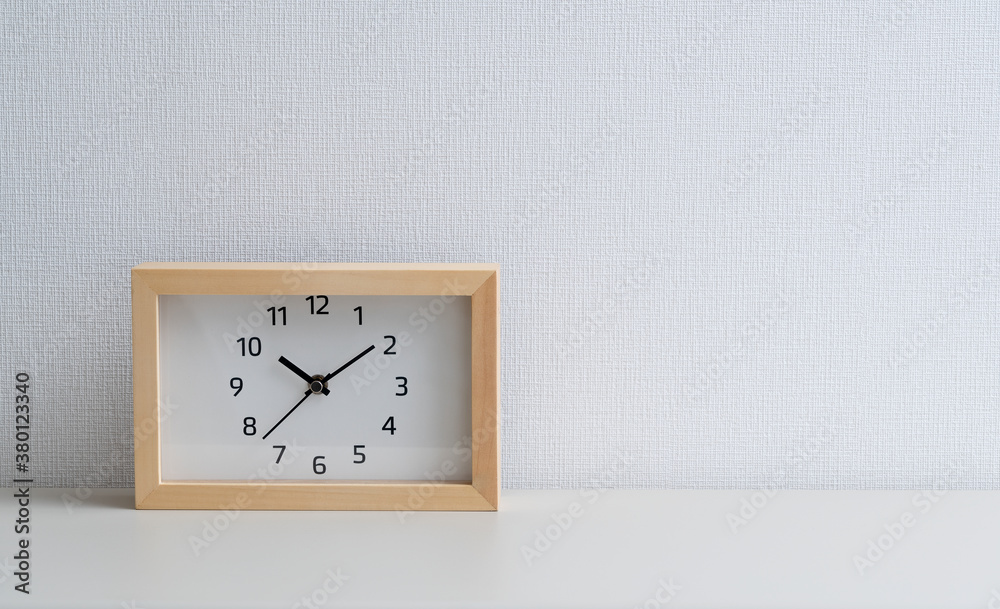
(315,388)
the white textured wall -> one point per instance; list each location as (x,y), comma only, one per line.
(743,244)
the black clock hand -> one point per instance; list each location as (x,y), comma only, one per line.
(305,377)
(342,368)
(308,393)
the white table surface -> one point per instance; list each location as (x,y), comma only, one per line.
(622,549)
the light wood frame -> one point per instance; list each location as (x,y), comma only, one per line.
(476,280)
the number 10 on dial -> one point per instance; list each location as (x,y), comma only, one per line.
(316,386)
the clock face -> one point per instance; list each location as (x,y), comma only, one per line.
(315,388)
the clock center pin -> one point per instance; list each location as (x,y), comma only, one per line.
(317,385)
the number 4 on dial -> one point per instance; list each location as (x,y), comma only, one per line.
(390,426)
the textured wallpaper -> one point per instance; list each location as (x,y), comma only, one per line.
(742,244)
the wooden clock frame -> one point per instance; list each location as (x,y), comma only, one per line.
(479,281)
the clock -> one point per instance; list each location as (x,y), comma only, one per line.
(316,386)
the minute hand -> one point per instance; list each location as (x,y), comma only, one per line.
(354,359)
(306,396)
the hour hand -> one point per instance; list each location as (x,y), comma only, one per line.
(301,374)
